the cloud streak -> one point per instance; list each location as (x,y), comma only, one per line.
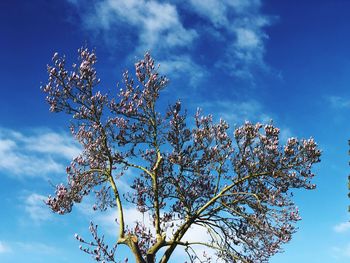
(35,153)
(242,25)
(157,23)
(173,31)
(236,113)
(36,209)
(342,227)
(4,248)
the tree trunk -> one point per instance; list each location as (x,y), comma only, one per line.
(150,258)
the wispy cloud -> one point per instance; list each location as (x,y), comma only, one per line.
(243,26)
(157,23)
(169,30)
(35,153)
(236,113)
(246,52)
(180,66)
(342,227)
(36,209)
(52,143)
(4,248)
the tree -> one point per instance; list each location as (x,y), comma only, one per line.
(236,187)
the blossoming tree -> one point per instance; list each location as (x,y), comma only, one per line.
(236,187)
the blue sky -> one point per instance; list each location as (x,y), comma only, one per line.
(241,60)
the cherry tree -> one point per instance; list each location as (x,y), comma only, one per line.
(186,171)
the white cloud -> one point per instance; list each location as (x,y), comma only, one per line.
(4,248)
(163,28)
(183,66)
(214,10)
(157,23)
(247,39)
(243,5)
(342,227)
(243,27)
(53,143)
(35,207)
(34,154)
(219,12)
(236,113)
(157,26)
(14,162)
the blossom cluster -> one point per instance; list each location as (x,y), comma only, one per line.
(98,249)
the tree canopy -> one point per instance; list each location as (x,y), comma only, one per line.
(186,171)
